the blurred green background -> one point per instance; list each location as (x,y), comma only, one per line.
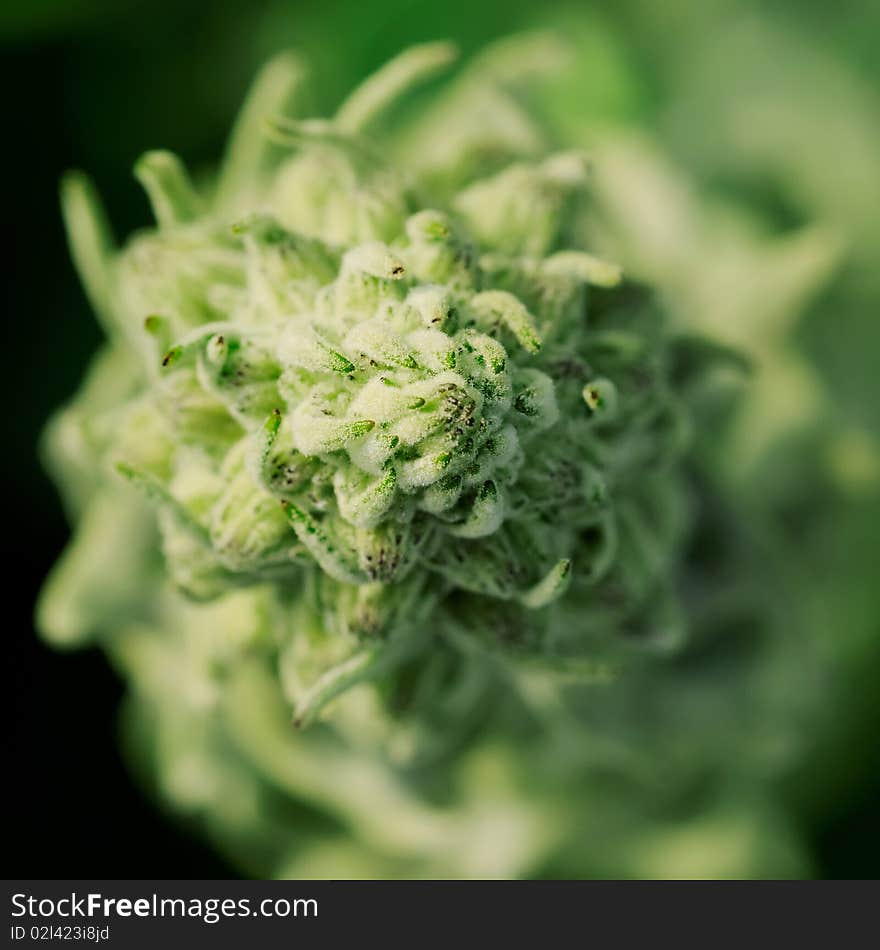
(755,129)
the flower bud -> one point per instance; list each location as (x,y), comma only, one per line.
(397,397)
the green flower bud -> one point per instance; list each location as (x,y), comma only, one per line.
(402,403)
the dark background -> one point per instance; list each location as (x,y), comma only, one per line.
(93,84)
